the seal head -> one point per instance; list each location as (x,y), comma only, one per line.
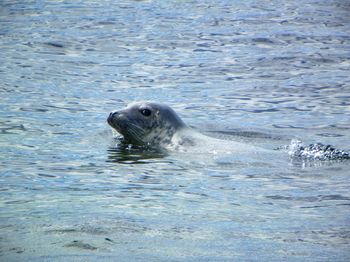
(145,123)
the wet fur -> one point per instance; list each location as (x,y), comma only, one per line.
(157,129)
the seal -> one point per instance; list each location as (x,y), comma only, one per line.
(147,123)
(157,125)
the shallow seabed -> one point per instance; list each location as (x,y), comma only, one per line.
(258,72)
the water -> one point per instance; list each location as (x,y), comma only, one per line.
(259,72)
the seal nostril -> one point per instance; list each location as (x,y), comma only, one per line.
(112,114)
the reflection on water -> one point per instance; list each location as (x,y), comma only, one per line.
(260,72)
(132,154)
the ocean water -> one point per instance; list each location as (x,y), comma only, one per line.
(258,72)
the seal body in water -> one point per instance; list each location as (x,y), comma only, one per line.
(157,125)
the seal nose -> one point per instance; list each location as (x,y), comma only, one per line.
(111,115)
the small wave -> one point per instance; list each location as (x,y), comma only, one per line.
(316,151)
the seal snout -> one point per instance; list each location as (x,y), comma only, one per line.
(111,116)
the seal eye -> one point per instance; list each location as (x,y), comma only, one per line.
(146,112)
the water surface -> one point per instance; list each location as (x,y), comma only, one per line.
(259,72)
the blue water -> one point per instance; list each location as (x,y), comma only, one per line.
(259,72)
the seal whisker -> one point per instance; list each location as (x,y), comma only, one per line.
(135,133)
(136,127)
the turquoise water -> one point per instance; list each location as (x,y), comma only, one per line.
(259,72)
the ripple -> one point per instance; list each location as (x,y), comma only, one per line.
(248,71)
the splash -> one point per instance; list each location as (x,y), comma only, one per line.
(316,151)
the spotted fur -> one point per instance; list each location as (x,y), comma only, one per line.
(156,129)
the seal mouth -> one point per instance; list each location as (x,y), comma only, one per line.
(118,122)
(122,124)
